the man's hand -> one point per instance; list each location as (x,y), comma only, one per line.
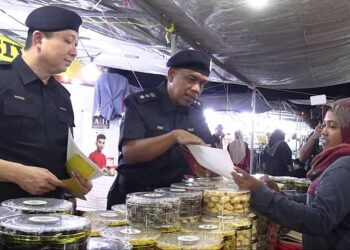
(245,180)
(37,181)
(183,137)
(85,184)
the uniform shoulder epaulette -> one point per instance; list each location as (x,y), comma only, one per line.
(197,104)
(5,64)
(147,95)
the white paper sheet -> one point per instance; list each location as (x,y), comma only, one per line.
(214,159)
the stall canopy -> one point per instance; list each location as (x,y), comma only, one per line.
(288,50)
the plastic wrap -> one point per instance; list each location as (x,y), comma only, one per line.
(225,231)
(193,185)
(108,244)
(139,237)
(6,212)
(36,205)
(149,209)
(111,218)
(187,241)
(191,203)
(36,231)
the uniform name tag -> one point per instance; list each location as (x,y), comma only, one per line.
(190,129)
(19,97)
(160,127)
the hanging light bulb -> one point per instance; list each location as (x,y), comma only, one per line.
(90,73)
(257,3)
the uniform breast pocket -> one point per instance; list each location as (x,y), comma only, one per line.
(156,130)
(18,114)
(64,117)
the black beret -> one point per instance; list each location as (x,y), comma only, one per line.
(52,18)
(195,60)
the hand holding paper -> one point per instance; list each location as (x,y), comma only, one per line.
(216,160)
(81,168)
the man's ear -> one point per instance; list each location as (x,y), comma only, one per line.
(37,38)
(171,74)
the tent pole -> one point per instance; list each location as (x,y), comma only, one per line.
(173,43)
(253,104)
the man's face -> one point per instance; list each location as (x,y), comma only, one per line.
(58,51)
(185,86)
(331,133)
(100,144)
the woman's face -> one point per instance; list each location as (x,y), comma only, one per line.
(331,133)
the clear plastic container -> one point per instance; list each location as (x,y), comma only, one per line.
(6,212)
(254,220)
(225,231)
(119,208)
(38,205)
(150,209)
(111,218)
(222,201)
(96,227)
(139,238)
(193,185)
(243,227)
(41,231)
(108,244)
(189,241)
(191,202)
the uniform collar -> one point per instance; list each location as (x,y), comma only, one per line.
(166,104)
(26,73)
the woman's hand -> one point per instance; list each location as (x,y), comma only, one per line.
(245,180)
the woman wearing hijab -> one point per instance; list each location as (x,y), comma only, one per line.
(277,158)
(323,214)
(239,152)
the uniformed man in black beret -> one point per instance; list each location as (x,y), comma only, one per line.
(35,110)
(156,122)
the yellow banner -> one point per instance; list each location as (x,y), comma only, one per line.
(9,49)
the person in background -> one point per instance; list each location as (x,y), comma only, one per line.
(36,113)
(277,157)
(156,122)
(239,152)
(218,136)
(97,156)
(322,215)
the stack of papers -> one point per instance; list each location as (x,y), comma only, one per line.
(78,162)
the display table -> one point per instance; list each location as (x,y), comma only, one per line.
(96,199)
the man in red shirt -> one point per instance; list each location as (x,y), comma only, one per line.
(97,156)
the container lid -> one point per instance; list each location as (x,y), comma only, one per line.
(120,208)
(134,235)
(186,241)
(8,211)
(113,218)
(180,192)
(215,228)
(39,205)
(108,244)
(237,221)
(147,198)
(227,191)
(193,185)
(44,225)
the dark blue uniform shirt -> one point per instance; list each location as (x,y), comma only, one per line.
(34,123)
(148,114)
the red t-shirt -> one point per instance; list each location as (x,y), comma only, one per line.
(98,158)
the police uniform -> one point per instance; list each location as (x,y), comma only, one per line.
(148,114)
(34,117)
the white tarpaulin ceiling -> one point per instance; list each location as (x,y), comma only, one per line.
(288,44)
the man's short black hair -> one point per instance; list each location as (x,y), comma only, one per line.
(29,41)
(100,136)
